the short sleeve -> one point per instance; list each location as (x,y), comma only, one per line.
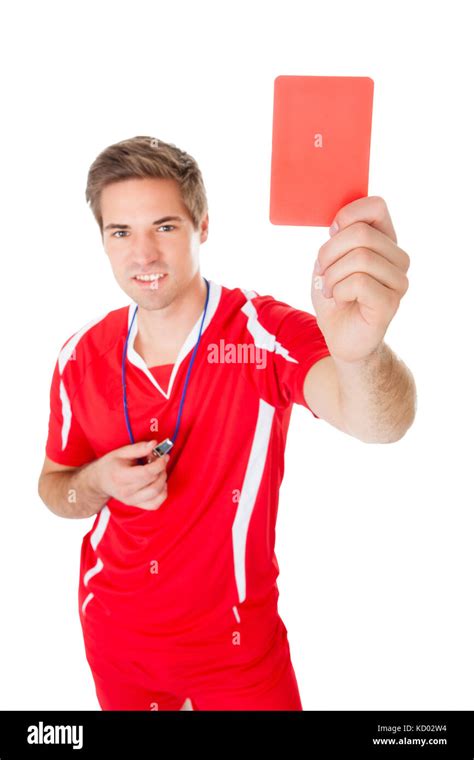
(66,442)
(299,343)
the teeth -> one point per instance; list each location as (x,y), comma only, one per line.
(147,277)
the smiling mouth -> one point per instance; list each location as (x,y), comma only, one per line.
(149,277)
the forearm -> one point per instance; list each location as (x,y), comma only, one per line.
(377,396)
(72,494)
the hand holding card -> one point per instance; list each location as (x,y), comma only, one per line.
(359,279)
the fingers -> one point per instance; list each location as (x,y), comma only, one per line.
(367,262)
(155,503)
(372,210)
(136,450)
(139,485)
(153,495)
(361,236)
(381,301)
(136,478)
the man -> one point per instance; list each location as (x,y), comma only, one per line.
(177,593)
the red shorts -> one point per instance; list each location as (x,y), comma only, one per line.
(143,674)
(122,694)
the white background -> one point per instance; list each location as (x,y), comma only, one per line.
(374,542)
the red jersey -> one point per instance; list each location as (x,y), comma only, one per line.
(202,567)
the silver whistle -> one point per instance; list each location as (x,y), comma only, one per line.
(163,447)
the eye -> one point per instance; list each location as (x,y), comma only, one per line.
(118,232)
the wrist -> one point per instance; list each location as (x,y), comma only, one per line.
(92,479)
(365,361)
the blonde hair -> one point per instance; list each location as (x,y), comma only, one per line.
(147,157)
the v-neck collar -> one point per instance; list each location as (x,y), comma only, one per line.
(215,291)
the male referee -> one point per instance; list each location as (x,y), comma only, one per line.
(177,592)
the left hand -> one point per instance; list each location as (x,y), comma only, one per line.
(364,272)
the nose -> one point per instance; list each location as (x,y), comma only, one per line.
(146,251)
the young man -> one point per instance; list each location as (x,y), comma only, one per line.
(177,592)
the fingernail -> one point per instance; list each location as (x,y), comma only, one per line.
(317,267)
(333,229)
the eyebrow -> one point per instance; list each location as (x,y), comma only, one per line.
(158,221)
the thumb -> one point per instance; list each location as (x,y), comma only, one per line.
(136,450)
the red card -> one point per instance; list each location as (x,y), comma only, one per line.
(320,147)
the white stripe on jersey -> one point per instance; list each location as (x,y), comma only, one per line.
(101,526)
(248,494)
(86,602)
(215,291)
(66,413)
(262,338)
(64,355)
(258,454)
(68,350)
(93,571)
(94,539)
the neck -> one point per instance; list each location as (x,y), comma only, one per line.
(173,322)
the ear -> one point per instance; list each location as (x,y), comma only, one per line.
(204,226)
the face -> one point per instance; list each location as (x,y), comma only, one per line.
(140,239)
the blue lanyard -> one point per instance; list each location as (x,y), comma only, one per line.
(124,387)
